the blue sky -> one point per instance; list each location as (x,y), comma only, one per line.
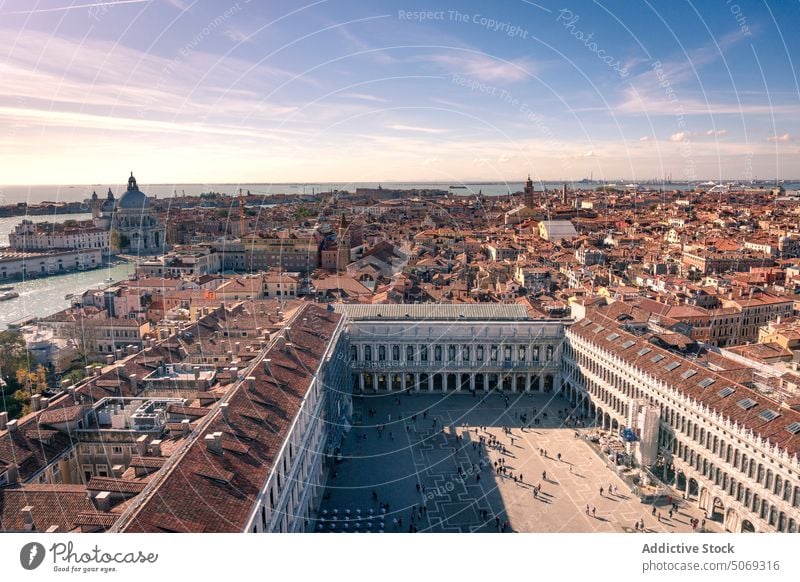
(190,91)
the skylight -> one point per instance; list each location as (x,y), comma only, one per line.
(747,403)
(627,344)
(794,428)
(672,365)
(612,336)
(688,374)
(706,382)
(725,392)
(644,351)
(657,358)
(768,415)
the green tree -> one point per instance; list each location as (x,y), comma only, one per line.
(30,382)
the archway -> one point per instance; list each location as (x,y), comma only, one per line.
(717,510)
(397,382)
(437,382)
(493,381)
(521,383)
(548,383)
(747,527)
(694,488)
(452,382)
(479,382)
(507,385)
(368,382)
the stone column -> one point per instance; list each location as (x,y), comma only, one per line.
(374,382)
(430,382)
(416,382)
(361,381)
(472,382)
(403,381)
(527,382)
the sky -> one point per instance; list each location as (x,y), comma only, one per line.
(342,91)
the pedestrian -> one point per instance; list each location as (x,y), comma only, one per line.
(601,491)
(587,509)
(570,468)
(520,478)
(594,511)
(544,475)
(559,456)
(653,513)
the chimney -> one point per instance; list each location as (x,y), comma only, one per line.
(36,402)
(3,420)
(118,353)
(45,402)
(12,426)
(196,370)
(251,382)
(109,359)
(267,362)
(214,442)
(131,349)
(134,380)
(27,516)
(71,392)
(155,448)
(186,426)
(52,529)
(141,445)
(102,501)
(12,474)
(225,413)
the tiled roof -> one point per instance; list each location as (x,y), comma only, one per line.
(698,386)
(224,488)
(435,311)
(57,505)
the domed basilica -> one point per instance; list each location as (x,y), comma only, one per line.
(132,220)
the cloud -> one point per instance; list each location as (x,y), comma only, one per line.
(366,97)
(403,127)
(645,138)
(717,132)
(681,136)
(236,35)
(590,154)
(483,67)
(785,138)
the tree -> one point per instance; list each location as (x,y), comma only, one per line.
(30,382)
(13,353)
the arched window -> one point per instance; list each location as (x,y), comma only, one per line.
(409,353)
(395,353)
(451,353)
(437,353)
(353,353)
(381,353)
(423,354)
(367,353)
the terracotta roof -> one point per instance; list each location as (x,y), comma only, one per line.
(57,505)
(225,487)
(62,414)
(599,329)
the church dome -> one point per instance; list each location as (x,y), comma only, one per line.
(133,198)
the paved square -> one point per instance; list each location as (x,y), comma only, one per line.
(421,462)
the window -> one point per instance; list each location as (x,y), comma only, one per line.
(746,403)
(395,353)
(725,392)
(549,353)
(768,415)
(507,353)
(437,353)
(706,382)
(522,353)
(479,353)
(465,353)
(367,353)
(381,353)
(451,353)
(423,354)
(535,353)
(410,353)
(493,353)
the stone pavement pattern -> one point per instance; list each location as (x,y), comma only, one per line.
(391,462)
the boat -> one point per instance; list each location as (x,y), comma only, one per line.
(459,187)
(69,296)
(109,279)
(7,288)
(9,295)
